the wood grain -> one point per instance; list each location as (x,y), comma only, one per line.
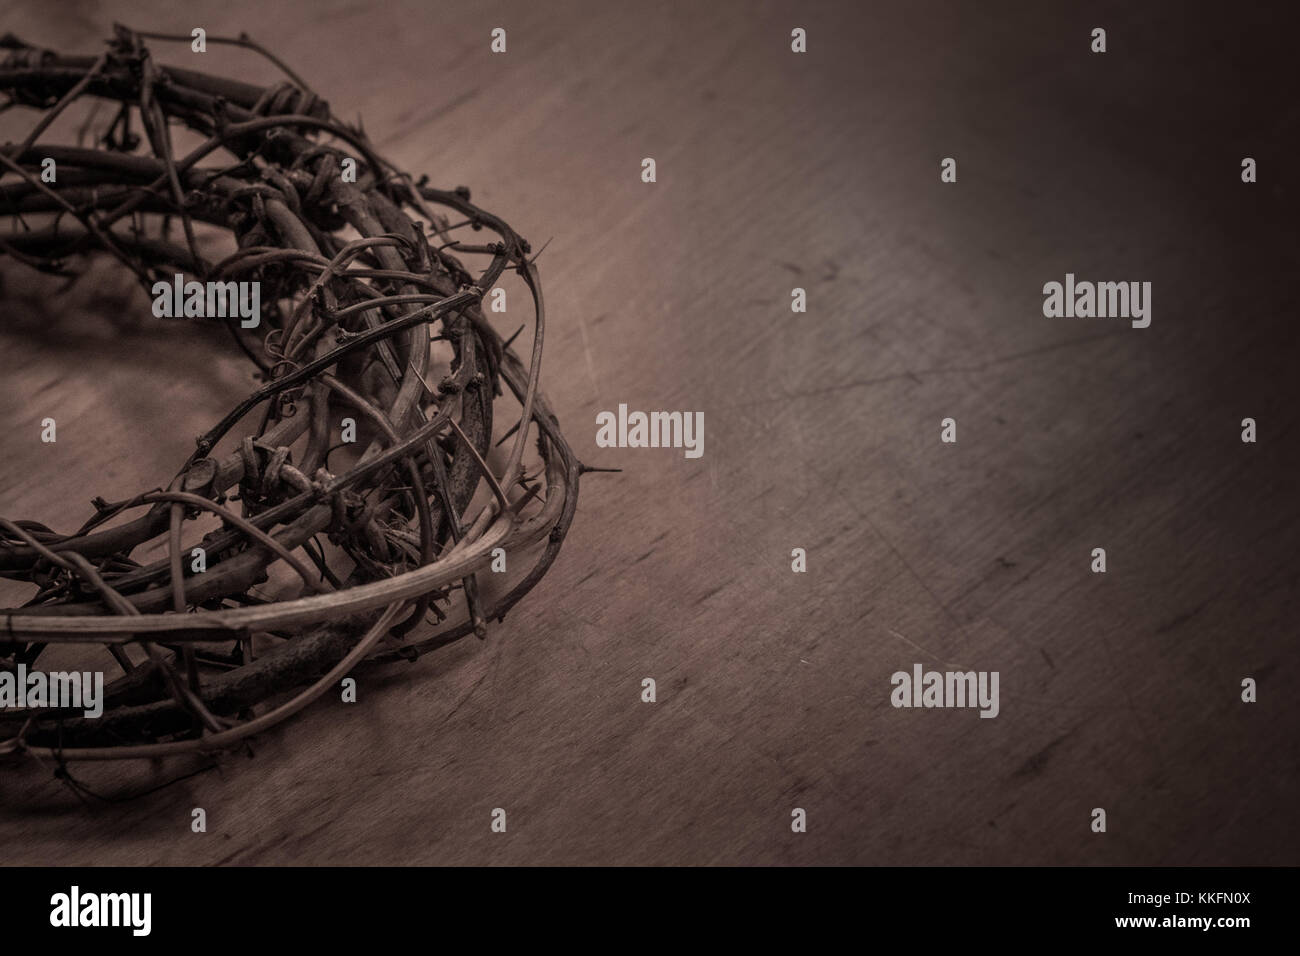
(822,432)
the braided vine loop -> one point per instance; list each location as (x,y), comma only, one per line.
(367,310)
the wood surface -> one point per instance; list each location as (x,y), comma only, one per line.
(778,170)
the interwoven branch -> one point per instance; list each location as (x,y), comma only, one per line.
(357,280)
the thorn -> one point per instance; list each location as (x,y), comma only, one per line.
(513,428)
(422,379)
(584,469)
(507,342)
(540,251)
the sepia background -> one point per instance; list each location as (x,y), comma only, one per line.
(777,171)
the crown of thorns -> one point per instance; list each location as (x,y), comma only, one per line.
(358,279)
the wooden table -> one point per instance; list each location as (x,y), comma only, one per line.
(776,170)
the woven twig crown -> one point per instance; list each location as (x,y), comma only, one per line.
(361,282)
